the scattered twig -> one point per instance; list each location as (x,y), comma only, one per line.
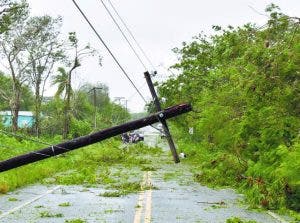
(205,202)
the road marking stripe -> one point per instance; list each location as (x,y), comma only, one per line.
(148,200)
(139,208)
(276,217)
(28,202)
(144,196)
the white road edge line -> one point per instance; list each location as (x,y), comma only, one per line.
(276,217)
(28,202)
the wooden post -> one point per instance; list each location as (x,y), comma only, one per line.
(163,121)
(92,138)
(95,105)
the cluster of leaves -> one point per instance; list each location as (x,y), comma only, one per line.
(9,11)
(244,86)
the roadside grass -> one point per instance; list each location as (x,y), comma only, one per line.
(86,166)
(148,168)
(238,220)
(169,176)
(219,169)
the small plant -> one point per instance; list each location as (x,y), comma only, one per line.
(47,214)
(138,206)
(3,188)
(110,211)
(12,199)
(65,204)
(238,220)
(148,168)
(77,220)
(112,194)
(39,206)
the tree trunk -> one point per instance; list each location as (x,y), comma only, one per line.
(67,108)
(37,113)
(15,108)
(38,102)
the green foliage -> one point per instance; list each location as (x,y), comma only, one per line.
(6,93)
(88,166)
(238,220)
(10,11)
(77,220)
(243,84)
(80,128)
(47,214)
(65,204)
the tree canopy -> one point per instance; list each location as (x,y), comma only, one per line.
(243,84)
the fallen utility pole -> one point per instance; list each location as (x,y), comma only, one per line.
(162,121)
(76,143)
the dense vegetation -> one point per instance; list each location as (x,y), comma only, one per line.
(243,84)
(102,163)
(34,56)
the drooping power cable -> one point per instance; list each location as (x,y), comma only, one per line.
(123,34)
(107,48)
(131,34)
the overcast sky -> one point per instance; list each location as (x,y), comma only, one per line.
(158,25)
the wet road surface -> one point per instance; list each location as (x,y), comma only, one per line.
(169,195)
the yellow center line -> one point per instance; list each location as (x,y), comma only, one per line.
(144,195)
(139,206)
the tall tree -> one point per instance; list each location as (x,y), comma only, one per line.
(13,50)
(64,78)
(44,51)
(244,86)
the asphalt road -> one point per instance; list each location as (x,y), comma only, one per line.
(170,195)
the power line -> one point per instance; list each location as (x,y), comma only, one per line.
(131,34)
(142,86)
(123,34)
(107,48)
(28,139)
(35,141)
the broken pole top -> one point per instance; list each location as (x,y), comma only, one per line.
(76,143)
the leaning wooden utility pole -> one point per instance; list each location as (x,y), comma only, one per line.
(163,121)
(76,143)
